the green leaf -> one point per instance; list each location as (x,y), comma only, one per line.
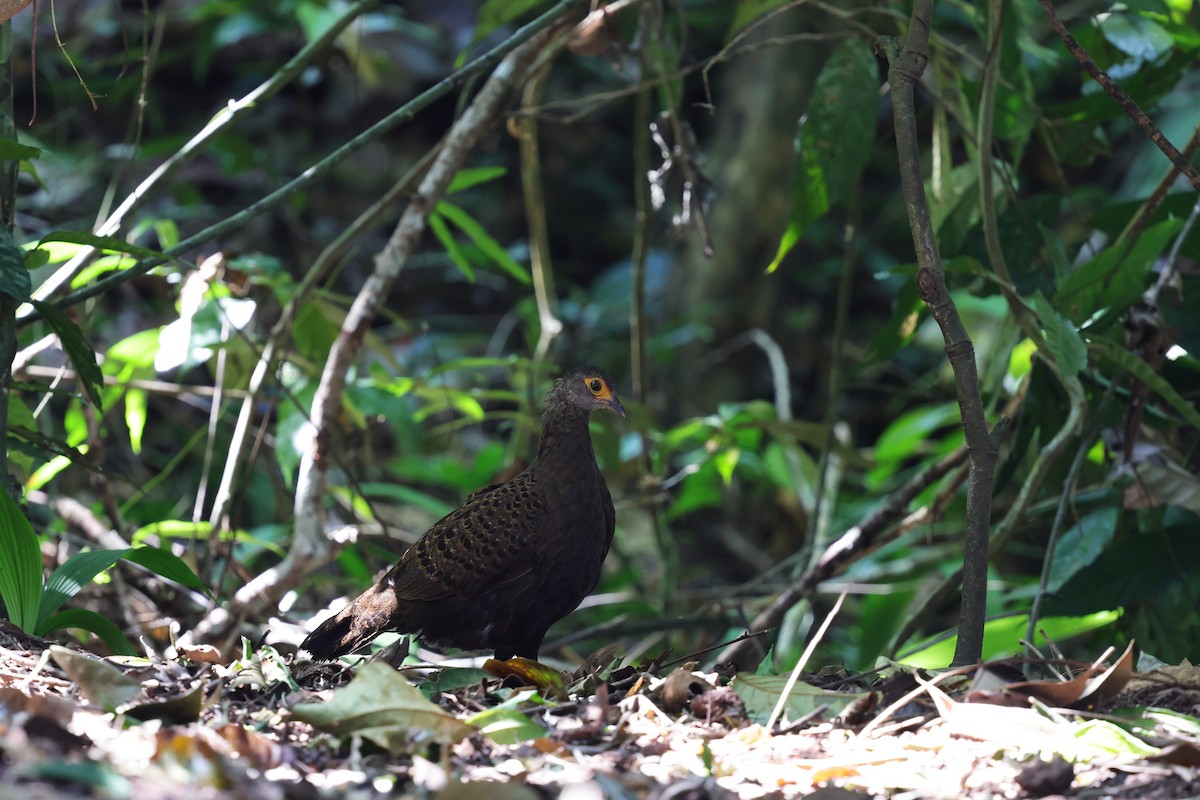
(20,565)
(107,243)
(834,138)
(168,565)
(82,356)
(98,624)
(466,178)
(1002,637)
(760,693)
(15,151)
(14,277)
(1146,374)
(67,581)
(167,232)
(506,725)
(135,417)
(1113,279)
(1081,545)
(1062,339)
(484,241)
(442,231)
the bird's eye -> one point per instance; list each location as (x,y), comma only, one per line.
(595,384)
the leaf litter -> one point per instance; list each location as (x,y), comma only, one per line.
(72,724)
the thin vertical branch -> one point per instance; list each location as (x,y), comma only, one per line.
(907,64)
(8,202)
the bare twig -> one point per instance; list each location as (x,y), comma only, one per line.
(1134,229)
(808,651)
(1127,103)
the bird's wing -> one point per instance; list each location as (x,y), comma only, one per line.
(481,547)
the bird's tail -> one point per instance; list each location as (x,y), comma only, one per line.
(372,613)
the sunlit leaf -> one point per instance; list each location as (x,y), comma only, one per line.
(1002,637)
(135,416)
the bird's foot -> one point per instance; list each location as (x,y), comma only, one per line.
(548,680)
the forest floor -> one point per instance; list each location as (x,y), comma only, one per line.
(74,725)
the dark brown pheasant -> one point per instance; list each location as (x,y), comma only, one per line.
(515,559)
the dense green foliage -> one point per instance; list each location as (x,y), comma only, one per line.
(792,382)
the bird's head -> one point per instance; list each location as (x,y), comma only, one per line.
(589,388)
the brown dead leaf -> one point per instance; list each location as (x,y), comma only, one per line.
(201,653)
(1085,690)
(680,687)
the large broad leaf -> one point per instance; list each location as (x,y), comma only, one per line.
(91,379)
(834,138)
(380,705)
(1081,545)
(67,581)
(496,13)
(20,565)
(80,569)
(1131,571)
(14,277)
(167,565)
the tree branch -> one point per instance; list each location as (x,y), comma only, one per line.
(906,68)
(1127,103)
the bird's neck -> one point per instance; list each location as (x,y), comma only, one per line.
(565,442)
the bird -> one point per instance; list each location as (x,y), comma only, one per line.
(517,557)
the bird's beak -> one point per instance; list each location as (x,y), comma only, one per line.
(615,405)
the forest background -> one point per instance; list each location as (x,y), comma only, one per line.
(705,199)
